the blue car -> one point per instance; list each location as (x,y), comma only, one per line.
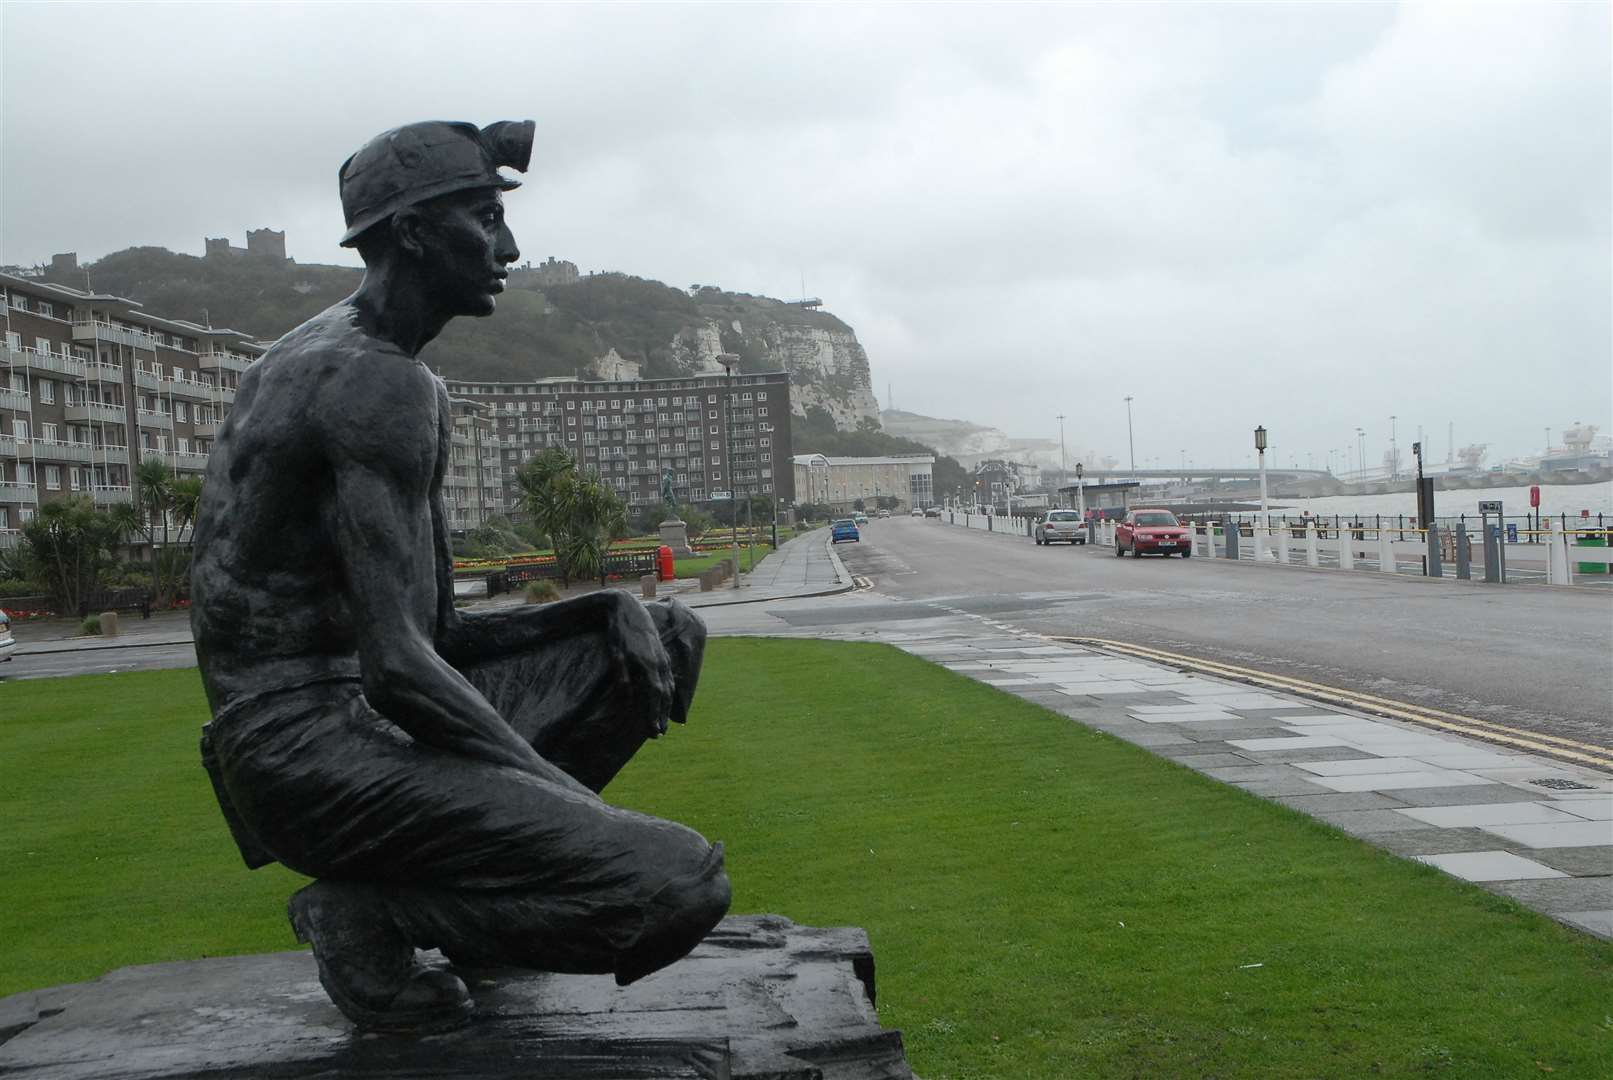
(844,529)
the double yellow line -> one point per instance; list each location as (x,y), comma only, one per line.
(1600,757)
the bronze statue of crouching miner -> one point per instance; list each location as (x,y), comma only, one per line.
(437,773)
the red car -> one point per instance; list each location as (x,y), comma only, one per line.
(1157,531)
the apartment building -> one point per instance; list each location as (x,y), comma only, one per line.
(717,434)
(472,483)
(91,384)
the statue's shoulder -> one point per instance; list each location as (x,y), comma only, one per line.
(332,338)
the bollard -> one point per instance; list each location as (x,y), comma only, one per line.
(1311,557)
(1558,572)
(1434,566)
(109,624)
(1346,556)
(646,584)
(1492,553)
(1230,530)
(1282,544)
(1260,539)
(708,580)
(1386,550)
(1464,553)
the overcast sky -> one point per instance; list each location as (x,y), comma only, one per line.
(1303,216)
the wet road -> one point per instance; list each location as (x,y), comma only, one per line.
(1526,656)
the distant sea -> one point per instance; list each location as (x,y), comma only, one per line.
(1555,499)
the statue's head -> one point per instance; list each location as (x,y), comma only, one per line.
(431,192)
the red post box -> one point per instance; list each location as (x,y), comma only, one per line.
(664,562)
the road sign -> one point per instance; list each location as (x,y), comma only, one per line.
(1489,506)
(724,496)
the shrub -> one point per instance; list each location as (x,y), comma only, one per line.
(90,626)
(541,592)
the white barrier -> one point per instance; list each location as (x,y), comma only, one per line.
(1386,552)
(1282,545)
(1311,556)
(1260,542)
(1346,556)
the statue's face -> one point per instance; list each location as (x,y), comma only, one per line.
(468,246)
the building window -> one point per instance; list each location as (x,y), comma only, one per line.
(715,460)
(46,309)
(180,410)
(761,395)
(53,477)
(19,302)
(761,412)
(47,432)
(47,391)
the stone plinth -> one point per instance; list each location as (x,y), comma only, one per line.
(675,535)
(760,999)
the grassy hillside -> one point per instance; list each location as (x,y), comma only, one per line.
(555,331)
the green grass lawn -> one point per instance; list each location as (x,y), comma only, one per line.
(1043,900)
(695,565)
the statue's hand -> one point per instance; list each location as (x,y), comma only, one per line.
(639,659)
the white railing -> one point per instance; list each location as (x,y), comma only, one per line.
(94,412)
(57,450)
(97,330)
(111,493)
(221,360)
(18,493)
(17,400)
(28,358)
(104,372)
(110,455)
(162,420)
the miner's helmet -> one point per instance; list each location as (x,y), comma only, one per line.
(416,162)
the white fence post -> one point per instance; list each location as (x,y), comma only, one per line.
(1346,557)
(1311,558)
(1260,539)
(1282,543)
(1557,569)
(1386,551)
(1209,540)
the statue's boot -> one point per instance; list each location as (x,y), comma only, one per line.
(367,965)
(676,919)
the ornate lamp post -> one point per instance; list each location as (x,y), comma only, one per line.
(1260,445)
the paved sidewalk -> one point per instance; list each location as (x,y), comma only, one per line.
(804,566)
(1536,830)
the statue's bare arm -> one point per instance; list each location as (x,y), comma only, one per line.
(381,460)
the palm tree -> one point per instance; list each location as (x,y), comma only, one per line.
(580,515)
(154,488)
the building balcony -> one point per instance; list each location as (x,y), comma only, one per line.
(8,446)
(43,450)
(18,400)
(187,389)
(224,394)
(110,494)
(223,361)
(145,380)
(157,421)
(96,371)
(95,412)
(10,538)
(207,429)
(17,493)
(21,359)
(187,460)
(95,330)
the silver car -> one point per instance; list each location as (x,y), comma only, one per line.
(1061,526)
(8,644)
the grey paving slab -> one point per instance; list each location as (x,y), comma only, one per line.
(1489,866)
(1312,753)
(1286,742)
(1369,822)
(1203,762)
(1156,738)
(1559,894)
(1236,727)
(1206,747)
(1572,834)
(1182,718)
(1599,923)
(1589,809)
(1105,688)
(1309,719)
(1361,765)
(1467,759)
(1431,841)
(1466,796)
(1392,780)
(1580,861)
(1244,774)
(1483,815)
(1339,801)
(1271,789)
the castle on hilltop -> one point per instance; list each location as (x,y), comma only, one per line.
(267,243)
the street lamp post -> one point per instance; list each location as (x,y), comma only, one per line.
(1080,491)
(1064,472)
(728,454)
(1361,454)
(1260,445)
(1130,445)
